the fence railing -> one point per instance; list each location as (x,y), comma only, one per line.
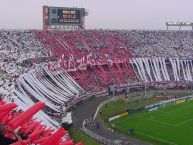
(94,135)
(106,102)
(137,98)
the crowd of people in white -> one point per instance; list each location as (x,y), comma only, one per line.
(17,47)
(167,44)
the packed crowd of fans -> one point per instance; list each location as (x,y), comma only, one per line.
(108,45)
(20,50)
(115,43)
(18,47)
(96,59)
(175,44)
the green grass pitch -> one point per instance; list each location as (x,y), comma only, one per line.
(172,125)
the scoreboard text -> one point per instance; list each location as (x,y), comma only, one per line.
(64,18)
(68,16)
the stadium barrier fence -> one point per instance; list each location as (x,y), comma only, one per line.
(132,94)
(94,135)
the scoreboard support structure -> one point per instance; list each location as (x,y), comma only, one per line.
(64,18)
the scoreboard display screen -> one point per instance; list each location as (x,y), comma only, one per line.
(65,18)
(68,16)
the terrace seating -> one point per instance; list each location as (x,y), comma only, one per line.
(110,50)
(20,50)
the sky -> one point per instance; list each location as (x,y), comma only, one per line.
(106,14)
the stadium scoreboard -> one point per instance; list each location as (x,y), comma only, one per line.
(64,18)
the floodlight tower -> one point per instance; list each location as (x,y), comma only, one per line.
(179,24)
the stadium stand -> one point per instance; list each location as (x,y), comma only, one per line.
(106,57)
(60,68)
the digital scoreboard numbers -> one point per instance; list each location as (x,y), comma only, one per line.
(68,16)
(64,18)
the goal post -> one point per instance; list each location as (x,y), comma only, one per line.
(168,102)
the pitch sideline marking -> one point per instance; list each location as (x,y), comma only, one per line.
(160,122)
(142,116)
(184,122)
(178,109)
(135,116)
(157,138)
